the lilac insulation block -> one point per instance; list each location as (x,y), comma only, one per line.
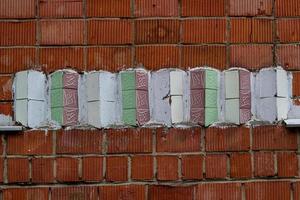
(197,115)
(141,79)
(197,79)
(70,116)
(245,99)
(70,80)
(143,116)
(142,99)
(70,98)
(197,98)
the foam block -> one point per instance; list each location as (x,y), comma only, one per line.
(197,98)
(176,82)
(211,79)
(232,84)
(57,80)
(197,115)
(177,109)
(211,98)
(142,99)
(70,80)
(197,79)
(266,109)
(211,116)
(245,115)
(129,117)
(282,83)
(245,80)
(93,90)
(267,83)
(245,99)
(129,99)
(143,116)
(282,108)
(232,111)
(128,80)
(141,80)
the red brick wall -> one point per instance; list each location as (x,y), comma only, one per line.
(149,164)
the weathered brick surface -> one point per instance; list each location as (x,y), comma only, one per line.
(264,164)
(216,166)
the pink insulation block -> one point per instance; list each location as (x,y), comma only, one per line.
(245,99)
(70,80)
(142,99)
(70,98)
(197,79)
(245,115)
(197,115)
(141,80)
(143,116)
(197,98)
(245,83)
(70,116)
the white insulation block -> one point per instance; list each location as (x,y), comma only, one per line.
(232,89)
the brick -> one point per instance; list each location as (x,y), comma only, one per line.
(246,56)
(158,192)
(6,108)
(275,190)
(192,167)
(216,166)
(109,32)
(204,31)
(42,170)
(250,7)
(67,169)
(26,193)
(81,192)
(167,168)
(264,164)
(116,168)
(64,32)
(228,139)
(6,87)
(16,59)
(103,8)
(274,138)
(17,170)
(157,31)
(1,170)
(132,192)
(224,191)
(12,33)
(178,140)
(53,59)
(288,8)
(251,30)
(60,9)
(157,57)
(296,189)
(79,141)
(288,30)
(142,167)
(30,143)
(203,8)
(92,169)
(295,86)
(288,56)
(156,8)
(17,9)
(213,56)
(129,141)
(112,59)
(287,164)
(240,165)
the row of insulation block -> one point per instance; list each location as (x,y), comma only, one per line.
(136,97)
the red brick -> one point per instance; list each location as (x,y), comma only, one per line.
(240,165)
(157,57)
(167,168)
(156,8)
(288,56)
(157,192)
(17,170)
(245,30)
(116,168)
(5,87)
(178,140)
(104,8)
(61,8)
(246,56)
(126,192)
(112,59)
(1,169)
(129,141)
(192,167)
(296,187)
(224,191)
(295,86)
(92,169)
(274,138)
(6,108)
(287,8)
(288,30)
(250,7)
(204,31)
(195,56)
(42,170)
(16,59)
(216,166)
(63,32)
(17,9)
(30,143)
(157,31)
(267,190)
(142,167)
(287,164)
(67,169)
(264,164)
(228,139)
(203,8)
(63,193)
(26,193)
(57,58)
(79,141)
(13,32)
(110,32)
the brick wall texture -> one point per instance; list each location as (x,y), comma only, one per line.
(238,163)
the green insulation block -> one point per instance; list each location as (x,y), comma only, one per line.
(211,116)
(57,114)
(57,80)
(211,97)
(128,80)
(211,79)
(128,99)
(56,98)
(129,117)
